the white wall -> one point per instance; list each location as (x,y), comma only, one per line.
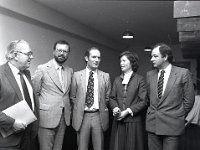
(42,36)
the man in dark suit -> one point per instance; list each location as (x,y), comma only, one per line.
(171,96)
(19,56)
(90,95)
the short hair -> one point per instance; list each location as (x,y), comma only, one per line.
(133,58)
(61,42)
(164,50)
(12,47)
(87,52)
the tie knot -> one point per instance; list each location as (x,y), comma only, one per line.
(91,73)
(21,72)
(162,71)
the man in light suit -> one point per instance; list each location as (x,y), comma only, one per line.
(52,82)
(170,101)
(19,56)
(90,118)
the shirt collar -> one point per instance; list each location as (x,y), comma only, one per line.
(167,69)
(14,69)
(57,66)
(88,71)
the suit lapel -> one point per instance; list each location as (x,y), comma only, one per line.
(13,82)
(99,76)
(54,75)
(170,83)
(83,81)
(154,82)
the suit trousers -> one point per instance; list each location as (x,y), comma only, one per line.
(91,126)
(162,142)
(52,138)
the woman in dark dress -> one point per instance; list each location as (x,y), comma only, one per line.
(127,102)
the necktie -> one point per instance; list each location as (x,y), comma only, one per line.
(90,91)
(61,77)
(25,90)
(160,84)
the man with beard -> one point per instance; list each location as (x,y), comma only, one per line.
(52,83)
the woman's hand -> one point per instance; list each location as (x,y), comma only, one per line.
(123,115)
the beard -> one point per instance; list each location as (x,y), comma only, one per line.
(60,59)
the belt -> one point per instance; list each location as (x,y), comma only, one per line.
(91,111)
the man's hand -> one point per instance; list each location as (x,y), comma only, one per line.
(19,126)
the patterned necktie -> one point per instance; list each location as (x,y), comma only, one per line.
(90,91)
(61,77)
(160,84)
(25,90)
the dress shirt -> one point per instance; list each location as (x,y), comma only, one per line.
(127,77)
(166,75)
(59,69)
(96,93)
(15,72)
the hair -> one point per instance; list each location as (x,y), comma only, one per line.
(61,42)
(87,52)
(133,58)
(165,50)
(12,47)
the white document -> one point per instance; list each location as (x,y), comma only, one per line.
(20,111)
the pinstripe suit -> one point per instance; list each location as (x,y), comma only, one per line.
(53,101)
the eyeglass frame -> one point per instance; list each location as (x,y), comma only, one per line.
(64,52)
(29,54)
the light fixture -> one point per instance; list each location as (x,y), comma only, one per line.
(148,49)
(127,35)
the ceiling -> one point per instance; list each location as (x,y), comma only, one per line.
(150,21)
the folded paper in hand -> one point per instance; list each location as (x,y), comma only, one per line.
(20,111)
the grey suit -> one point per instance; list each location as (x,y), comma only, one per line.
(78,93)
(53,101)
(166,117)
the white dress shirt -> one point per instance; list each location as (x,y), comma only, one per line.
(166,76)
(96,93)
(15,72)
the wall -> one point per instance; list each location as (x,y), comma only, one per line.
(18,23)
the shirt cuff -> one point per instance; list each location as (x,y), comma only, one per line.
(130,111)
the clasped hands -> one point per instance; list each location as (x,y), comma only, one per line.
(120,114)
(19,126)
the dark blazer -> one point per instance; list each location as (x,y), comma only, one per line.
(135,97)
(10,94)
(78,92)
(167,115)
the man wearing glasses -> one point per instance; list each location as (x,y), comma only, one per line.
(52,83)
(12,91)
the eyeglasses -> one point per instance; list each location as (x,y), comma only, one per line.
(62,51)
(29,54)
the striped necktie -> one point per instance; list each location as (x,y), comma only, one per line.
(160,84)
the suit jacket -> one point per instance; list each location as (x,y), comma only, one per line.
(135,97)
(167,115)
(10,94)
(52,98)
(78,93)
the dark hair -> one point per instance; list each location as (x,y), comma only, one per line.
(61,42)
(165,50)
(133,58)
(87,52)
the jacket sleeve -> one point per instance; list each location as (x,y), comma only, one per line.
(188,92)
(142,97)
(113,96)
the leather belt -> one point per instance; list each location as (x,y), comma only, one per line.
(91,111)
